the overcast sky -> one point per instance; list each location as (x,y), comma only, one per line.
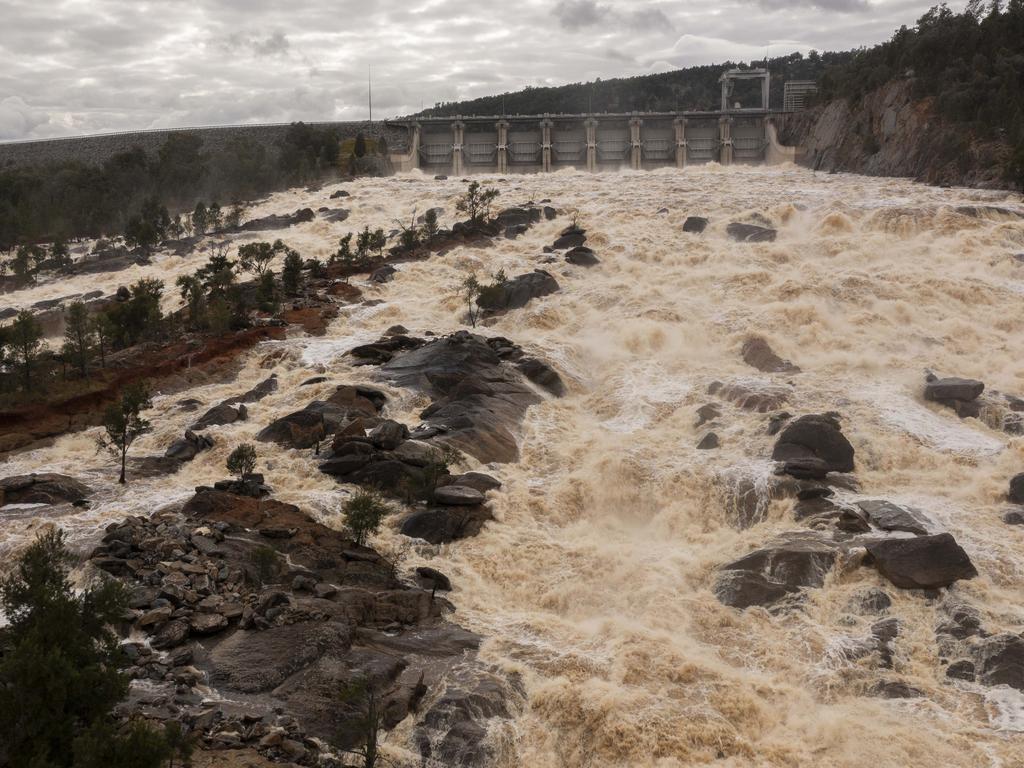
(86,66)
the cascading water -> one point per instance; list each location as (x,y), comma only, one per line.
(594,582)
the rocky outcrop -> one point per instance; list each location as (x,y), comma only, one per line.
(44,488)
(812,446)
(517,292)
(750,233)
(188,447)
(758,354)
(311,425)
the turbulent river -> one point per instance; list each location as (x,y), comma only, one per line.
(594,583)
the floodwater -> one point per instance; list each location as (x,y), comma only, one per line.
(594,582)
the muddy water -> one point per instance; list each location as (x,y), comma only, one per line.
(594,584)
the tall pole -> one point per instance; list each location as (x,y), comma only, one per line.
(369,91)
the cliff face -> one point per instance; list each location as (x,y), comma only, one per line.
(890,133)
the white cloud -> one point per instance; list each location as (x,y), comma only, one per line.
(77,67)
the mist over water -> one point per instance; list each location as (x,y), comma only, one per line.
(594,582)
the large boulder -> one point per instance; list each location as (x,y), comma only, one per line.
(953,388)
(458,496)
(815,442)
(783,567)
(444,524)
(1016,494)
(921,562)
(889,517)
(301,429)
(517,292)
(542,374)
(266,387)
(224,413)
(581,256)
(44,488)
(695,224)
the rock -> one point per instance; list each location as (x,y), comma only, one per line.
(922,562)
(708,442)
(541,374)
(339,193)
(434,579)
(889,517)
(418,453)
(188,447)
(757,354)
(781,568)
(695,224)
(171,634)
(207,623)
(441,525)
(818,438)
(1013,517)
(871,600)
(581,256)
(706,413)
(894,689)
(458,496)
(750,233)
(777,421)
(388,435)
(275,221)
(476,480)
(751,397)
(155,617)
(961,670)
(999,660)
(517,292)
(384,274)
(964,390)
(964,621)
(569,240)
(44,488)
(219,415)
(1016,494)
(397,330)
(550,213)
(302,429)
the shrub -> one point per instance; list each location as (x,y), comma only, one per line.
(242,460)
(363,514)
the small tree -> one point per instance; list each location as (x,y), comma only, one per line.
(430,228)
(214,217)
(200,218)
(291,273)
(61,256)
(255,258)
(242,460)
(59,670)
(218,272)
(194,296)
(266,292)
(477,202)
(25,338)
(123,423)
(410,236)
(234,216)
(363,514)
(79,337)
(362,712)
(470,291)
(103,332)
(344,253)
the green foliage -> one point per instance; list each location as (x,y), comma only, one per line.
(307,153)
(470,291)
(430,228)
(242,460)
(103,332)
(25,338)
(477,202)
(149,226)
(291,273)
(255,258)
(140,318)
(79,337)
(344,253)
(363,513)
(362,710)
(218,273)
(193,293)
(26,262)
(123,423)
(200,218)
(219,315)
(59,673)
(60,256)
(266,292)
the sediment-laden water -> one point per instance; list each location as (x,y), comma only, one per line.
(594,584)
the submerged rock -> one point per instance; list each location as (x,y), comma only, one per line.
(750,233)
(812,446)
(757,354)
(783,567)
(695,224)
(44,488)
(1000,660)
(889,517)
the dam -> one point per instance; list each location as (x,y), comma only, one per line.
(598,142)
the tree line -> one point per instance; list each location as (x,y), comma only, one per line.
(56,202)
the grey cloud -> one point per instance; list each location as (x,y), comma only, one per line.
(577,14)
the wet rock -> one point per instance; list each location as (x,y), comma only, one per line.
(962,669)
(339,194)
(188,447)
(550,213)
(388,435)
(818,442)
(707,413)
(782,567)
(751,397)
(894,689)
(889,517)
(517,292)
(384,274)
(275,221)
(922,562)
(570,239)
(581,256)
(871,600)
(302,429)
(220,415)
(541,374)
(1013,517)
(418,453)
(695,224)
(314,380)
(750,233)
(777,421)
(458,496)
(171,634)
(963,390)
(963,621)
(708,442)
(1016,493)
(43,488)
(266,387)
(433,579)
(383,350)
(757,354)
(1000,660)
(476,480)
(207,623)
(445,524)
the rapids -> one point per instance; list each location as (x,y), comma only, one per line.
(594,582)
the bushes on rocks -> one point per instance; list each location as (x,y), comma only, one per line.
(363,513)
(242,460)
